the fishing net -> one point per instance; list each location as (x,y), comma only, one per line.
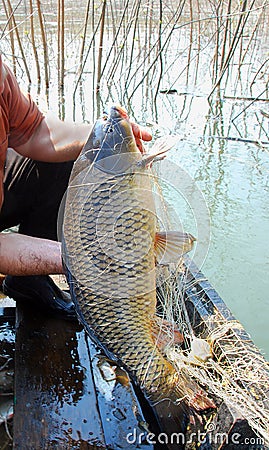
(217,353)
(216,350)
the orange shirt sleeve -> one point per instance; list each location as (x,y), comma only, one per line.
(20,116)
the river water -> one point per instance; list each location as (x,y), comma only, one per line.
(218,171)
(234,179)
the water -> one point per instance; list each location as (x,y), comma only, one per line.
(220,191)
(234,179)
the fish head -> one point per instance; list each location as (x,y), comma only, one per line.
(111,145)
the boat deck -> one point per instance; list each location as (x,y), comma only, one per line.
(68,395)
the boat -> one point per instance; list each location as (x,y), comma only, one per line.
(69,395)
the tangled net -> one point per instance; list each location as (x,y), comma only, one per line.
(218,352)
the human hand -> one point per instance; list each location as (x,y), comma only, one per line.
(140,134)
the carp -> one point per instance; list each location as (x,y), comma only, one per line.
(110,246)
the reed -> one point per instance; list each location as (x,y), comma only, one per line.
(100,53)
(45,47)
(84,35)
(123,48)
(12,21)
(34,45)
(61,56)
(242,19)
(9,25)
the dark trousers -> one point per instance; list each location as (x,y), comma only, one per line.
(33,192)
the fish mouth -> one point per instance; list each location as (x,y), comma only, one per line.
(113,142)
(117,111)
(115,121)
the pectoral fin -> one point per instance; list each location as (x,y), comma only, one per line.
(171,245)
(161,146)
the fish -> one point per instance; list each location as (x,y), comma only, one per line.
(111,245)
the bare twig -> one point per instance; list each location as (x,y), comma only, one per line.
(251,103)
(99,63)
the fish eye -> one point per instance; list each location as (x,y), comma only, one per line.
(108,128)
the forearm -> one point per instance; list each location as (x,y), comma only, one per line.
(68,138)
(55,140)
(58,141)
(26,255)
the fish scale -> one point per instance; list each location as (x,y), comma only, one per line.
(132,343)
(109,250)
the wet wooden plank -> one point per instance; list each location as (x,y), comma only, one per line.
(68,396)
(56,405)
(7,350)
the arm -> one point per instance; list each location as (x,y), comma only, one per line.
(26,255)
(44,139)
(57,141)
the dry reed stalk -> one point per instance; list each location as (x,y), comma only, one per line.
(117,25)
(219,27)
(225,35)
(99,62)
(45,47)
(13,21)
(11,35)
(171,28)
(159,47)
(254,33)
(147,41)
(34,44)
(61,36)
(243,17)
(94,32)
(191,41)
(263,65)
(120,52)
(198,41)
(84,35)
(262,128)
(61,65)
(134,39)
(251,103)
(91,46)
(135,21)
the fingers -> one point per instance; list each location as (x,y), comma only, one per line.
(140,134)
